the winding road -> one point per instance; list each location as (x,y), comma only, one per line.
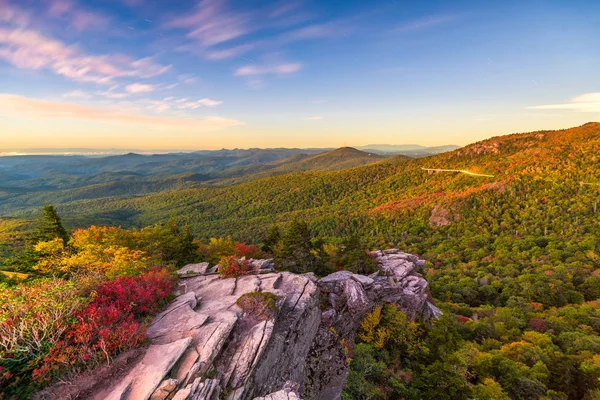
(456,170)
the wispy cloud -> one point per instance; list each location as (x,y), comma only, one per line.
(280,69)
(217,32)
(222,54)
(184,104)
(425,23)
(212,23)
(315,31)
(136,88)
(79,18)
(28,49)
(588,102)
(58,8)
(112,94)
(14,105)
(187,78)
(13,15)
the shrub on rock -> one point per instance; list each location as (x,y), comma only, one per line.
(232,267)
(259,304)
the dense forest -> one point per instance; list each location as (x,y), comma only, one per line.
(513,259)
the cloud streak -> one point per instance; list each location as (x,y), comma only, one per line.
(217,32)
(588,102)
(14,105)
(281,69)
(136,88)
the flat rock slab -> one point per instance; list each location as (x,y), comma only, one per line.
(176,325)
(143,380)
(199,268)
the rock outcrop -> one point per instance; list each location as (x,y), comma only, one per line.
(204,346)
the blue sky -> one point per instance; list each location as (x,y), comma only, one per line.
(215,73)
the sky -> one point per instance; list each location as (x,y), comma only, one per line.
(150,74)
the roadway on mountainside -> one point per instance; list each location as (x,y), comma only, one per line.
(456,170)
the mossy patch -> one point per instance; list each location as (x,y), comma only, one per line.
(262,305)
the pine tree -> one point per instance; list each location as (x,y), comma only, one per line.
(355,257)
(271,239)
(51,226)
(296,252)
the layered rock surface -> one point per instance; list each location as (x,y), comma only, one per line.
(203,346)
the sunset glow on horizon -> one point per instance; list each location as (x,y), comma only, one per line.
(216,74)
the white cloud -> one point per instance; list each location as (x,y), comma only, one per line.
(281,69)
(209,102)
(28,49)
(135,88)
(316,118)
(588,102)
(198,103)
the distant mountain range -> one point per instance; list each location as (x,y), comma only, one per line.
(411,150)
(384,149)
(29,181)
(244,190)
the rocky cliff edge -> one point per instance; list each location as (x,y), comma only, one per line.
(204,346)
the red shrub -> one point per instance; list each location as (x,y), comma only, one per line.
(248,251)
(538,324)
(232,267)
(140,295)
(108,325)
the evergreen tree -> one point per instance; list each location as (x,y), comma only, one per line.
(50,227)
(188,246)
(355,257)
(271,239)
(179,245)
(296,253)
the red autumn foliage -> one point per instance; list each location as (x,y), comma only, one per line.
(109,325)
(248,251)
(538,324)
(232,267)
(462,319)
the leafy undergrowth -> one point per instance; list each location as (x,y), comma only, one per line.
(50,330)
(88,300)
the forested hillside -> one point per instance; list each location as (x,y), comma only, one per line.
(536,174)
(33,180)
(513,258)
